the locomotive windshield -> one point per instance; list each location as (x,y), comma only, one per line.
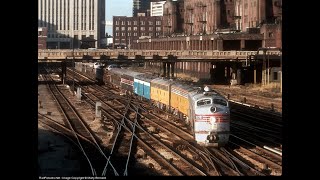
(203,102)
(220,102)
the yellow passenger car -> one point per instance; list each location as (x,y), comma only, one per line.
(160,92)
(179,98)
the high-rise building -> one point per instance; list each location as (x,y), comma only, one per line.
(140,6)
(70,21)
(156,8)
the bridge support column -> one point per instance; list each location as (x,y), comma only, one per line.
(64,71)
(228,73)
(172,60)
(172,69)
(168,70)
(239,76)
(264,69)
(255,74)
(164,67)
(234,72)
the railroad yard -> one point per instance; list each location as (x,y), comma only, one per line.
(128,136)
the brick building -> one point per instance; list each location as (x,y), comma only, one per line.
(201,16)
(227,14)
(194,19)
(272,35)
(42,37)
(127,30)
(173,17)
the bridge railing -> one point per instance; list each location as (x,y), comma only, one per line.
(62,53)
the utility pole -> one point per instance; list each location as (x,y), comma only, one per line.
(73,66)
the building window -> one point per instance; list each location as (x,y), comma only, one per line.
(123,28)
(158,28)
(129,22)
(122,22)
(135,23)
(150,23)
(117,28)
(158,22)
(129,28)
(270,34)
(141,22)
(117,22)
(275,76)
(134,34)
(129,34)
(142,34)
(117,34)
(142,28)
(123,34)
(150,28)
(150,34)
(135,28)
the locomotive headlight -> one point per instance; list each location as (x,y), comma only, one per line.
(213,120)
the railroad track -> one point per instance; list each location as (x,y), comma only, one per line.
(60,128)
(258,126)
(229,163)
(147,138)
(268,162)
(183,140)
(76,124)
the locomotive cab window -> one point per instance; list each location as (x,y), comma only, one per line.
(220,102)
(203,102)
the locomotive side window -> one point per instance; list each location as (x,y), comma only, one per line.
(220,102)
(203,102)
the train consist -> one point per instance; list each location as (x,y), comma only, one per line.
(205,111)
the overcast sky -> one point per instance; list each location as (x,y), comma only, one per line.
(117,8)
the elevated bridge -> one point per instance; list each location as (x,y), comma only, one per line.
(153,55)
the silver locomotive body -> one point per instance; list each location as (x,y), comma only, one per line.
(210,116)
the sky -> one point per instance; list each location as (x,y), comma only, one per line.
(117,8)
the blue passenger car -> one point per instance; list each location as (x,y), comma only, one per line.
(142,85)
